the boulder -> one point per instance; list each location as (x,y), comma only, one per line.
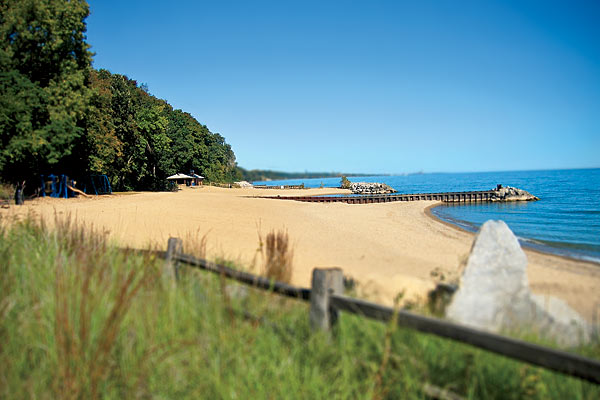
(494,292)
(509,193)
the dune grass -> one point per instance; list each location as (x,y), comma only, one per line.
(277,255)
(81,319)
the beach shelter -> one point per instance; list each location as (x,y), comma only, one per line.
(181,179)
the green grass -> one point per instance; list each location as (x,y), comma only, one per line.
(81,319)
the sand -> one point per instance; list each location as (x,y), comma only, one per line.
(387,248)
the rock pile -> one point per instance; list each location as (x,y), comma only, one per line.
(370,188)
(512,194)
(494,292)
(244,184)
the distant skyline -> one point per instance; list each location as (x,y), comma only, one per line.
(374,87)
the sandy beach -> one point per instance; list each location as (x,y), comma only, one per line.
(388,248)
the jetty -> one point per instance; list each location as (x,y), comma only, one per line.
(500,194)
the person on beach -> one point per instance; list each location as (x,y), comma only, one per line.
(19,197)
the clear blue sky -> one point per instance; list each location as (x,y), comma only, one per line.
(371,86)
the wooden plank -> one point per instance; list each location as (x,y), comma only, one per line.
(325,282)
(555,360)
(257,281)
(170,267)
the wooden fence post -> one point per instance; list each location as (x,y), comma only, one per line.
(325,281)
(171,267)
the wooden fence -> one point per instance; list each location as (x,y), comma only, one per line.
(327,300)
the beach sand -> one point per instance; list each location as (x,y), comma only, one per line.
(388,248)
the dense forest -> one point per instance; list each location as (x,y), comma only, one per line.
(59,115)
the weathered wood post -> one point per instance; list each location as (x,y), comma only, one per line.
(171,266)
(325,281)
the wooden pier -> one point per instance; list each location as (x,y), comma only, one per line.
(450,197)
(279,187)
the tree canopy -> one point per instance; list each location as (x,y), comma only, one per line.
(44,63)
(59,115)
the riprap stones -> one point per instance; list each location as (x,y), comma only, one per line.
(509,193)
(370,188)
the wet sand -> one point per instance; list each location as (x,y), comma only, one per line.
(388,248)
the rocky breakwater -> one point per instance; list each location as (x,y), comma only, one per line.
(512,194)
(370,188)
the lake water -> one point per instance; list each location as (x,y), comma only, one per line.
(565,221)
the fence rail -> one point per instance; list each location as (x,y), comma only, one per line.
(259,282)
(556,360)
(326,301)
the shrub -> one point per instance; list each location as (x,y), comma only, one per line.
(6,192)
(345,183)
(278,257)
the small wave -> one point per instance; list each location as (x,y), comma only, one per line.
(581,254)
(578,251)
(469,226)
(581,212)
(566,245)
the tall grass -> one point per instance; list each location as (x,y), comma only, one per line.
(277,255)
(81,319)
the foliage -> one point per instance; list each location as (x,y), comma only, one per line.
(7,192)
(138,140)
(257,175)
(345,183)
(81,319)
(44,61)
(59,115)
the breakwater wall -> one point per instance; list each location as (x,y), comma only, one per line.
(279,187)
(449,197)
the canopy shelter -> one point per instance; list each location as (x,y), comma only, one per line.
(181,179)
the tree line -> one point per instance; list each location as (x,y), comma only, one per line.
(60,115)
(269,175)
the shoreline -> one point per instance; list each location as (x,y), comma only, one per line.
(388,248)
(526,246)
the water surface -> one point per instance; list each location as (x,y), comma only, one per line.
(565,221)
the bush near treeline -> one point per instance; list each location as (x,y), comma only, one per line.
(59,115)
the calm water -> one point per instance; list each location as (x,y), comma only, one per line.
(565,221)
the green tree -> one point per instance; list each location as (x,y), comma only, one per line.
(59,115)
(104,147)
(153,146)
(139,140)
(44,65)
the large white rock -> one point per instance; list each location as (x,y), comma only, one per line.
(494,292)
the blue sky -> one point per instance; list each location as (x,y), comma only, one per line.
(371,86)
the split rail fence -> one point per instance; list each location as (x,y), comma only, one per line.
(327,300)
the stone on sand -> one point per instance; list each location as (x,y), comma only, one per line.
(494,292)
